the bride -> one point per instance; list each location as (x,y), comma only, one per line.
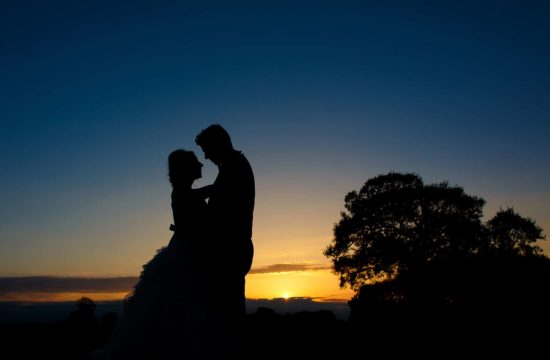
(166,314)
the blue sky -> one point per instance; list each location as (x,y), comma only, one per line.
(320,95)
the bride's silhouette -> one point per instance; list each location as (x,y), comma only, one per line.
(166,315)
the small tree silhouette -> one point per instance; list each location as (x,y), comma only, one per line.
(511,234)
(84,313)
(82,325)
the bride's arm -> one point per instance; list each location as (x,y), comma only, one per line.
(204,192)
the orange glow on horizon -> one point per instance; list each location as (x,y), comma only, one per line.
(320,285)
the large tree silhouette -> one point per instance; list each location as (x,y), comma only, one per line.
(401,240)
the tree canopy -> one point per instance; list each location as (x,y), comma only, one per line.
(396,224)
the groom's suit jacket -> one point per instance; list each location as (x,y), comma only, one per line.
(230,209)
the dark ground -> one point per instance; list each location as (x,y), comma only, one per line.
(390,332)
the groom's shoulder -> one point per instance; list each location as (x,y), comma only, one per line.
(239,157)
(240,162)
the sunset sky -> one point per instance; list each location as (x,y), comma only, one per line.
(319,95)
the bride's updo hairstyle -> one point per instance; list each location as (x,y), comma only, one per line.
(180,163)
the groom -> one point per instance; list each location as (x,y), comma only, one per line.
(230,211)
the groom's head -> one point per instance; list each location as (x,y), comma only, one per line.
(215,142)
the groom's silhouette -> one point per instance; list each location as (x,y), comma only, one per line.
(230,211)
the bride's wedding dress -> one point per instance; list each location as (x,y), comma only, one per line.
(166,315)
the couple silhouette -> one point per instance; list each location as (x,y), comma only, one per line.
(189,301)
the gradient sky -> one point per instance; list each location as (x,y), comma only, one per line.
(320,96)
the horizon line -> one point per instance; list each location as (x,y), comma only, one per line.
(315,299)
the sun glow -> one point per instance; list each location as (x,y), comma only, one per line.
(315,284)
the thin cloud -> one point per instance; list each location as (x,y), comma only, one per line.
(52,284)
(279,268)
(331,299)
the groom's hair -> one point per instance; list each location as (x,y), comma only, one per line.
(214,135)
